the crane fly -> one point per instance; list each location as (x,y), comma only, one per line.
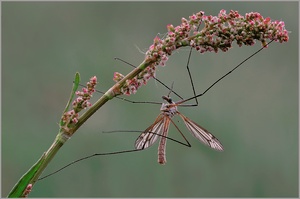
(161,125)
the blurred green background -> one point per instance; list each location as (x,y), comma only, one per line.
(253,112)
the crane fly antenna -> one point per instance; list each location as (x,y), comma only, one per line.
(171,89)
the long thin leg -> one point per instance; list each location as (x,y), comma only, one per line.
(190,75)
(189,72)
(114,153)
(87,157)
(116,58)
(199,95)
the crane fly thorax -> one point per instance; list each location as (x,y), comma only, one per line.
(169,108)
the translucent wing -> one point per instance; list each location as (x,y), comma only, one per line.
(150,135)
(202,134)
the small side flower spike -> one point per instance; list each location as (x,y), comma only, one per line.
(81,102)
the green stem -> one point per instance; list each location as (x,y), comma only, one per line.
(49,155)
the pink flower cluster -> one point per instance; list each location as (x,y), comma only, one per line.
(81,102)
(131,86)
(219,32)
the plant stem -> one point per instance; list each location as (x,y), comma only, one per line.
(50,153)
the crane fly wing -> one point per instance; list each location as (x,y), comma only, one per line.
(150,135)
(202,134)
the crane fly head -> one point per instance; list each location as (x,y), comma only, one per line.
(168,99)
